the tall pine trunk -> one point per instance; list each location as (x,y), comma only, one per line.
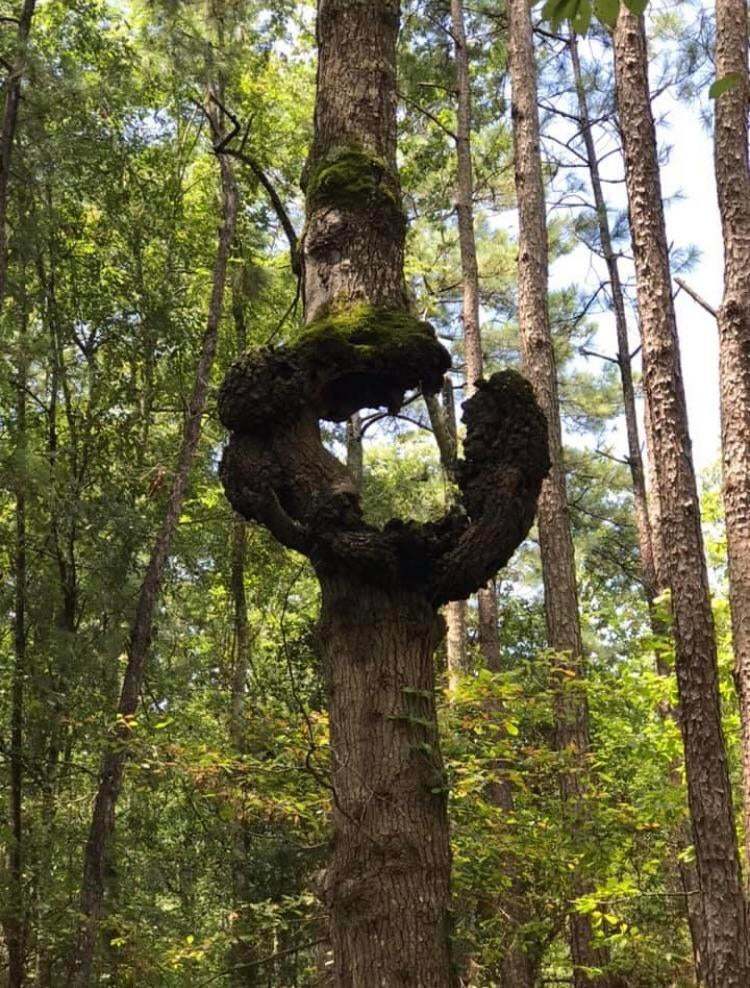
(709,791)
(653,578)
(733,186)
(387,886)
(15,906)
(555,538)
(12,85)
(98,845)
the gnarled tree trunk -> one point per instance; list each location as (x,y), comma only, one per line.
(387,885)
(709,791)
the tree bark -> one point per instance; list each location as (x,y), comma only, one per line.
(387,887)
(635,459)
(139,644)
(709,792)
(556,543)
(733,186)
(486,596)
(12,85)
(653,579)
(14,920)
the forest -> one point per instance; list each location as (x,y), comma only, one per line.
(367,618)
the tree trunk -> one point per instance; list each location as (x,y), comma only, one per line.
(486,597)
(733,186)
(556,543)
(635,458)
(653,579)
(387,887)
(709,792)
(14,920)
(8,131)
(388,883)
(139,644)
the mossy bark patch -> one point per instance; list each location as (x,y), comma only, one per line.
(353,179)
(357,357)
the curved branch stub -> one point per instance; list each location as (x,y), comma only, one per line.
(276,470)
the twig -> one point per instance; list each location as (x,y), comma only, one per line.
(697,298)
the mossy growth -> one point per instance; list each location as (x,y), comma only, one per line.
(365,356)
(350,178)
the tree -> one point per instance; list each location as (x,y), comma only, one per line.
(556,543)
(12,85)
(733,186)
(709,791)
(387,885)
(139,642)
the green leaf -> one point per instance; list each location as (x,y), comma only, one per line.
(607,11)
(723,85)
(636,7)
(581,20)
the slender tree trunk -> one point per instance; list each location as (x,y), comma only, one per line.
(139,644)
(486,597)
(654,582)
(733,186)
(709,791)
(15,917)
(635,458)
(8,125)
(387,887)
(558,560)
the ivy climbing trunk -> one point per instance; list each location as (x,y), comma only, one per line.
(733,186)
(709,790)
(555,539)
(387,886)
(101,829)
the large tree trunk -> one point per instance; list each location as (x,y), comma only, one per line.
(114,759)
(12,85)
(387,885)
(709,792)
(556,542)
(388,882)
(733,186)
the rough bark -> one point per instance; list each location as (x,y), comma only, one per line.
(556,543)
(486,597)
(709,792)
(733,186)
(387,885)
(653,580)
(635,458)
(12,86)
(139,644)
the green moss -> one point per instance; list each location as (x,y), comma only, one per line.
(367,356)
(352,179)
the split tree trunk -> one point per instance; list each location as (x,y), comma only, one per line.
(556,542)
(387,887)
(733,186)
(13,84)
(709,791)
(97,849)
